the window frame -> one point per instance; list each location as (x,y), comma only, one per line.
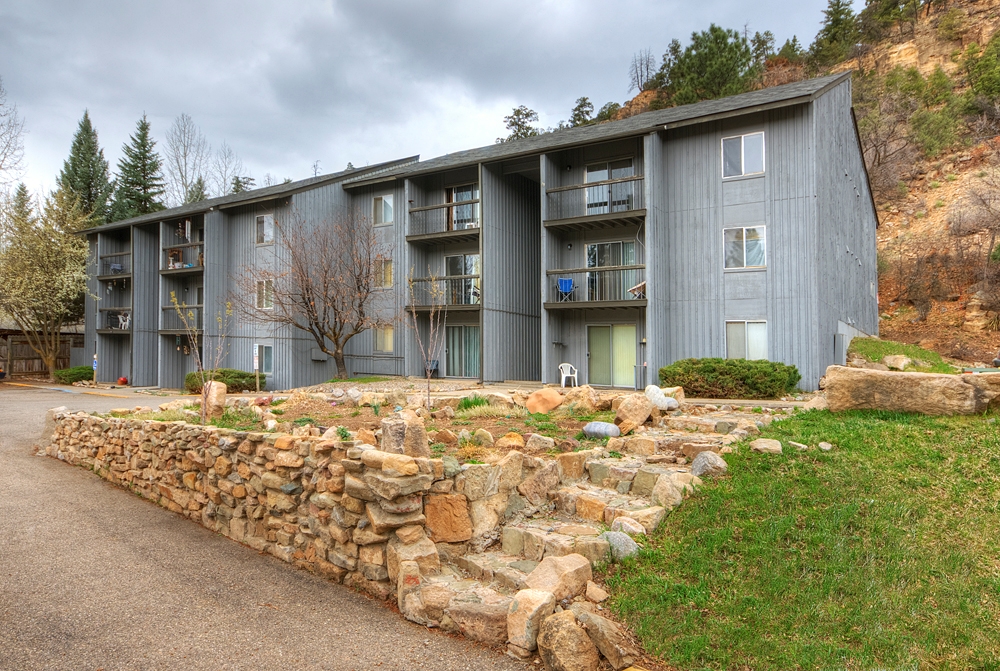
(262,295)
(392,206)
(381,263)
(746,340)
(743,172)
(263,233)
(476,200)
(379,339)
(744,266)
(259,352)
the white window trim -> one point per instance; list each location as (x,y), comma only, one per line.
(258,349)
(261,299)
(744,266)
(384,223)
(725,335)
(743,172)
(264,214)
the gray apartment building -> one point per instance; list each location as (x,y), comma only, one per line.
(742,227)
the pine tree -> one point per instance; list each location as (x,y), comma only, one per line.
(717,63)
(139,186)
(582,112)
(22,209)
(85,172)
(838,34)
(197,192)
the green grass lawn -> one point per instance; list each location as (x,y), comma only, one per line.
(874,349)
(882,554)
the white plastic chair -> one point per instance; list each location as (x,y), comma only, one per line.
(567,371)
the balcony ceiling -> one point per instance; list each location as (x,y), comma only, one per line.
(597,222)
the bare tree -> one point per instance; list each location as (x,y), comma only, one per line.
(225,167)
(316,169)
(195,337)
(884,129)
(326,284)
(984,197)
(11,140)
(432,294)
(641,69)
(187,155)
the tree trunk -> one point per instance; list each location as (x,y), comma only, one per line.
(338,357)
(50,365)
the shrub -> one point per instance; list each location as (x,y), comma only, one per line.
(473,401)
(934,131)
(731,378)
(74,374)
(951,25)
(235,380)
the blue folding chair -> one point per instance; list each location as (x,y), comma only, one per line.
(566,287)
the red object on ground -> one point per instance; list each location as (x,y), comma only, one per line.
(123,380)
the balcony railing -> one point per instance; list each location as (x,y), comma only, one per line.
(115,319)
(115,264)
(172,320)
(609,197)
(608,284)
(445,217)
(451,290)
(189,256)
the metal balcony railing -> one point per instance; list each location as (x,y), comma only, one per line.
(608,197)
(115,264)
(462,216)
(608,283)
(187,256)
(451,290)
(172,320)
(115,319)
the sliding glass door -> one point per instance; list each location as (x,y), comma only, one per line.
(462,353)
(611,355)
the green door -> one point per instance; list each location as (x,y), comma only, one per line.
(611,355)
(599,355)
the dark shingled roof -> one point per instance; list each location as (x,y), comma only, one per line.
(744,103)
(255,195)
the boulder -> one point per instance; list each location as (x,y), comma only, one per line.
(539,443)
(564,645)
(585,399)
(565,577)
(595,593)
(510,441)
(708,464)
(383,522)
(817,403)
(478,481)
(766,446)
(537,487)
(482,622)
(666,493)
(897,361)
(528,609)
(448,518)
(423,553)
(445,436)
(660,400)
(399,465)
(215,399)
(621,543)
(632,413)
(601,430)
(926,393)
(610,640)
(482,437)
(543,400)
(627,525)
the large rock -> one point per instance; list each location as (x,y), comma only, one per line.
(384,522)
(215,399)
(524,617)
(897,361)
(708,463)
(584,399)
(621,543)
(508,441)
(422,552)
(543,400)
(478,481)
(633,412)
(404,433)
(565,646)
(448,518)
(565,577)
(610,640)
(926,393)
(538,443)
(666,493)
(766,446)
(483,622)
(660,400)
(390,488)
(627,525)
(537,487)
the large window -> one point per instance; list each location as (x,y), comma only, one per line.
(383,339)
(464,290)
(265,229)
(264,358)
(746,340)
(383,273)
(611,285)
(745,247)
(382,211)
(743,155)
(614,197)
(265,294)
(461,217)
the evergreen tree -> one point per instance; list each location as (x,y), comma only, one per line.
(607,112)
(838,34)
(762,45)
(85,172)
(139,186)
(197,192)
(717,63)
(791,50)
(241,184)
(21,208)
(581,114)
(519,124)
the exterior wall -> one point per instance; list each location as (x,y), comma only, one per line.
(658,267)
(145,305)
(846,232)
(568,329)
(91,304)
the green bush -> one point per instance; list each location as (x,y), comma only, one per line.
(934,131)
(731,378)
(951,25)
(75,374)
(469,402)
(235,380)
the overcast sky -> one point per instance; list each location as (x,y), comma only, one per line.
(292,82)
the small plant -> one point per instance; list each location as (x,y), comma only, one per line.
(343,433)
(438,448)
(939,203)
(981,174)
(614,454)
(277,411)
(935,184)
(278,401)
(470,402)
(303,421)
(376,408)
(355,413)
(237,419)
(951,177)
(920,214)
(75,374)
(461,422)
(235,380)
(491,411)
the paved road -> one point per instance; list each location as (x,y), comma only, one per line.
(94,578)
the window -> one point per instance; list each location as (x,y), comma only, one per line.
(383,273)
(616,197)
(265,294)
(743,155)
(263,358)
(612,285)
(383,339)
(746,340)
(265,229)
(745,247)
(465,290)
(466,216)
(382,211)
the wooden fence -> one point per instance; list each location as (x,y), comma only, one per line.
(19,360)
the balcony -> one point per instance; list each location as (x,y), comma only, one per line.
(444,223)
(114,321)
(454,293)
(183,259)
(172,322)
(601,287)
(596,205)
(114,266)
